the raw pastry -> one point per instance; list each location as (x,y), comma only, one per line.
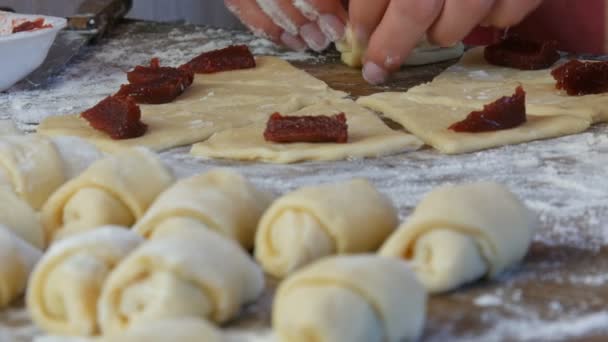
(368,137)
(195,272)
(221,200)
(364,298)
(430,122)
(458,234)
(425,53)
(8,127)
(21,219)
(65,286)
(213,103)
(34,166)
(314,222)
(116,190)
(17,259)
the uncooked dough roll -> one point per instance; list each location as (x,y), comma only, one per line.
(366,298)
(115,190)
(221,200)
(18,216)
(17,259)
(197,273)
(34,166)
(458,234)
(313,222)
(66,284)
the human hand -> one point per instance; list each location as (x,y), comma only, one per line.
(391,29)
(297,24)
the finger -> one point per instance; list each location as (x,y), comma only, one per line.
(261,25)
(452,26)
(330,15)
(365,16)
(403,25)
(507,13)
(283,14)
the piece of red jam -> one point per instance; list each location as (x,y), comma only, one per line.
(515,52)
(231,58)
(155,84)
(307,129)
(119,117)
(37,24)
(504,113)
(582,78)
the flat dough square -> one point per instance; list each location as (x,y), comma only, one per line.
(214,103)
(430,123)
(368,137)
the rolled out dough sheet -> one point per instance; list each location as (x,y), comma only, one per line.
(368,137)
(214,103)
(430,123)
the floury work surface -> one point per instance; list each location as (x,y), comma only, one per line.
(560,292)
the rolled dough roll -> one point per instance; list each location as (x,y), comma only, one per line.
(221,200)
(19,217)
(34,166)
(362,298)
(198,273)
(353,53)
(314,222)
(17,259)
(66,284)
(458,234)
(116,190)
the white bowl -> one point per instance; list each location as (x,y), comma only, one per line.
(23,52)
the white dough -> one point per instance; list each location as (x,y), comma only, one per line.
(221,200)
(350,298)
(20,218)
(115,190)
(458,234)
(66,284)
(8,127)
(313,222)
(17,259)
(196,272)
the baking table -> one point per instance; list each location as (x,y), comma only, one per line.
(560,292)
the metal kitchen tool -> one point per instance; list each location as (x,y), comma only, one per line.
(93,19)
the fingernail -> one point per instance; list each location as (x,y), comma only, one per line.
(307,10)
(374,74)
(332,27)
(293,42)
(313,36)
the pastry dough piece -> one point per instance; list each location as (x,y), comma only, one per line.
(221,200)
(66,284)
(425,53)
(21,219)
(32,166)
(17,259)
(368,137)
(213,103)
(458,234)
(115,190)
(431,122)
(314,222)
(8,127)
(350,298)
(195,272)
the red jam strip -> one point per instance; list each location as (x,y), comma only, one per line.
(517,53)
(37,24)
(155,84)
(505,113)
(307,129)
(582,78)
(119,117)
(231,58)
